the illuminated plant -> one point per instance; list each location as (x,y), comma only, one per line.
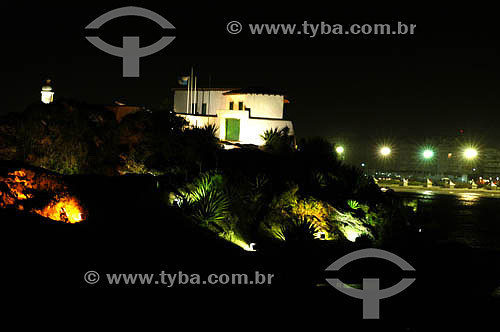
(205,200)
(351,227)
(298,229)
(353,204)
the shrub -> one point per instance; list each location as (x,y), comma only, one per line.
(277,140)
(204,200)
(297,229)
(353,204)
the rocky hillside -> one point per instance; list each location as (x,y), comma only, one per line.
(76,138)
(38,191)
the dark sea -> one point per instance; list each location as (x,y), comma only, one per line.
(470,218)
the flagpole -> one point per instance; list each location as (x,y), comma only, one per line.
(188,88)
(209,92)
(187,97)
(191,93)
(195,97)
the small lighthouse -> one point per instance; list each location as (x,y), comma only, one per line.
(47,92)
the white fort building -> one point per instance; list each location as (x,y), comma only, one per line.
(240,115)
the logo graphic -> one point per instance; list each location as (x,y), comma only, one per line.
(91,277)
(130,52)
(234,27)
(371,292)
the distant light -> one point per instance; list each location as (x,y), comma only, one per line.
(428,154)
(340,149)
(251,247)
(385,151)
(352,234)
(362,164)
(320,235)
(473,169)
(47,97)
(470,153)
(450,155)
(47,93)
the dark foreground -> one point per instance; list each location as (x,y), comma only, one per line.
(131,231)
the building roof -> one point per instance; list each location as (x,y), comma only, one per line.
(254,91)
(242,91)
(47,86)
(205,89)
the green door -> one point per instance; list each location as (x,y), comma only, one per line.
(233,129)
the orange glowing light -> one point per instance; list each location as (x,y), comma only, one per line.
(22,186)
(21,196)
(66,209)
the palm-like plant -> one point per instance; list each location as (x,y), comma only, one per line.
(211,130)
(299,229)
(277,139)
(205,200)
(270,134)
(353,204)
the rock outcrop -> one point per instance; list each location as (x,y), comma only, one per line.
(41,192)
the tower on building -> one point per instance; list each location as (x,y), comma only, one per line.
(47,92)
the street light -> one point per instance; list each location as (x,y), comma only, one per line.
(428,154)
(340,149)
(427,158)
(470,153)
(385,151)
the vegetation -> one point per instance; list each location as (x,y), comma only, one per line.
(297,229)
(205,200)
(280,192)
(277,140)
(353,204)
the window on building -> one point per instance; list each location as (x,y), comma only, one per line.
(204,109)
(231,105)
(240,106)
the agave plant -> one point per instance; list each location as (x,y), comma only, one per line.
(205,200)
(319,179)
(298,229)
(276,139)
(211,130)
(270,135)
(353,204)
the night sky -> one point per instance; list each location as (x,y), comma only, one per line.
(442,79)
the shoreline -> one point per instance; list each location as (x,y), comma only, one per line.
(443,191)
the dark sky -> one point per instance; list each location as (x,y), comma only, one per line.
(442,79)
